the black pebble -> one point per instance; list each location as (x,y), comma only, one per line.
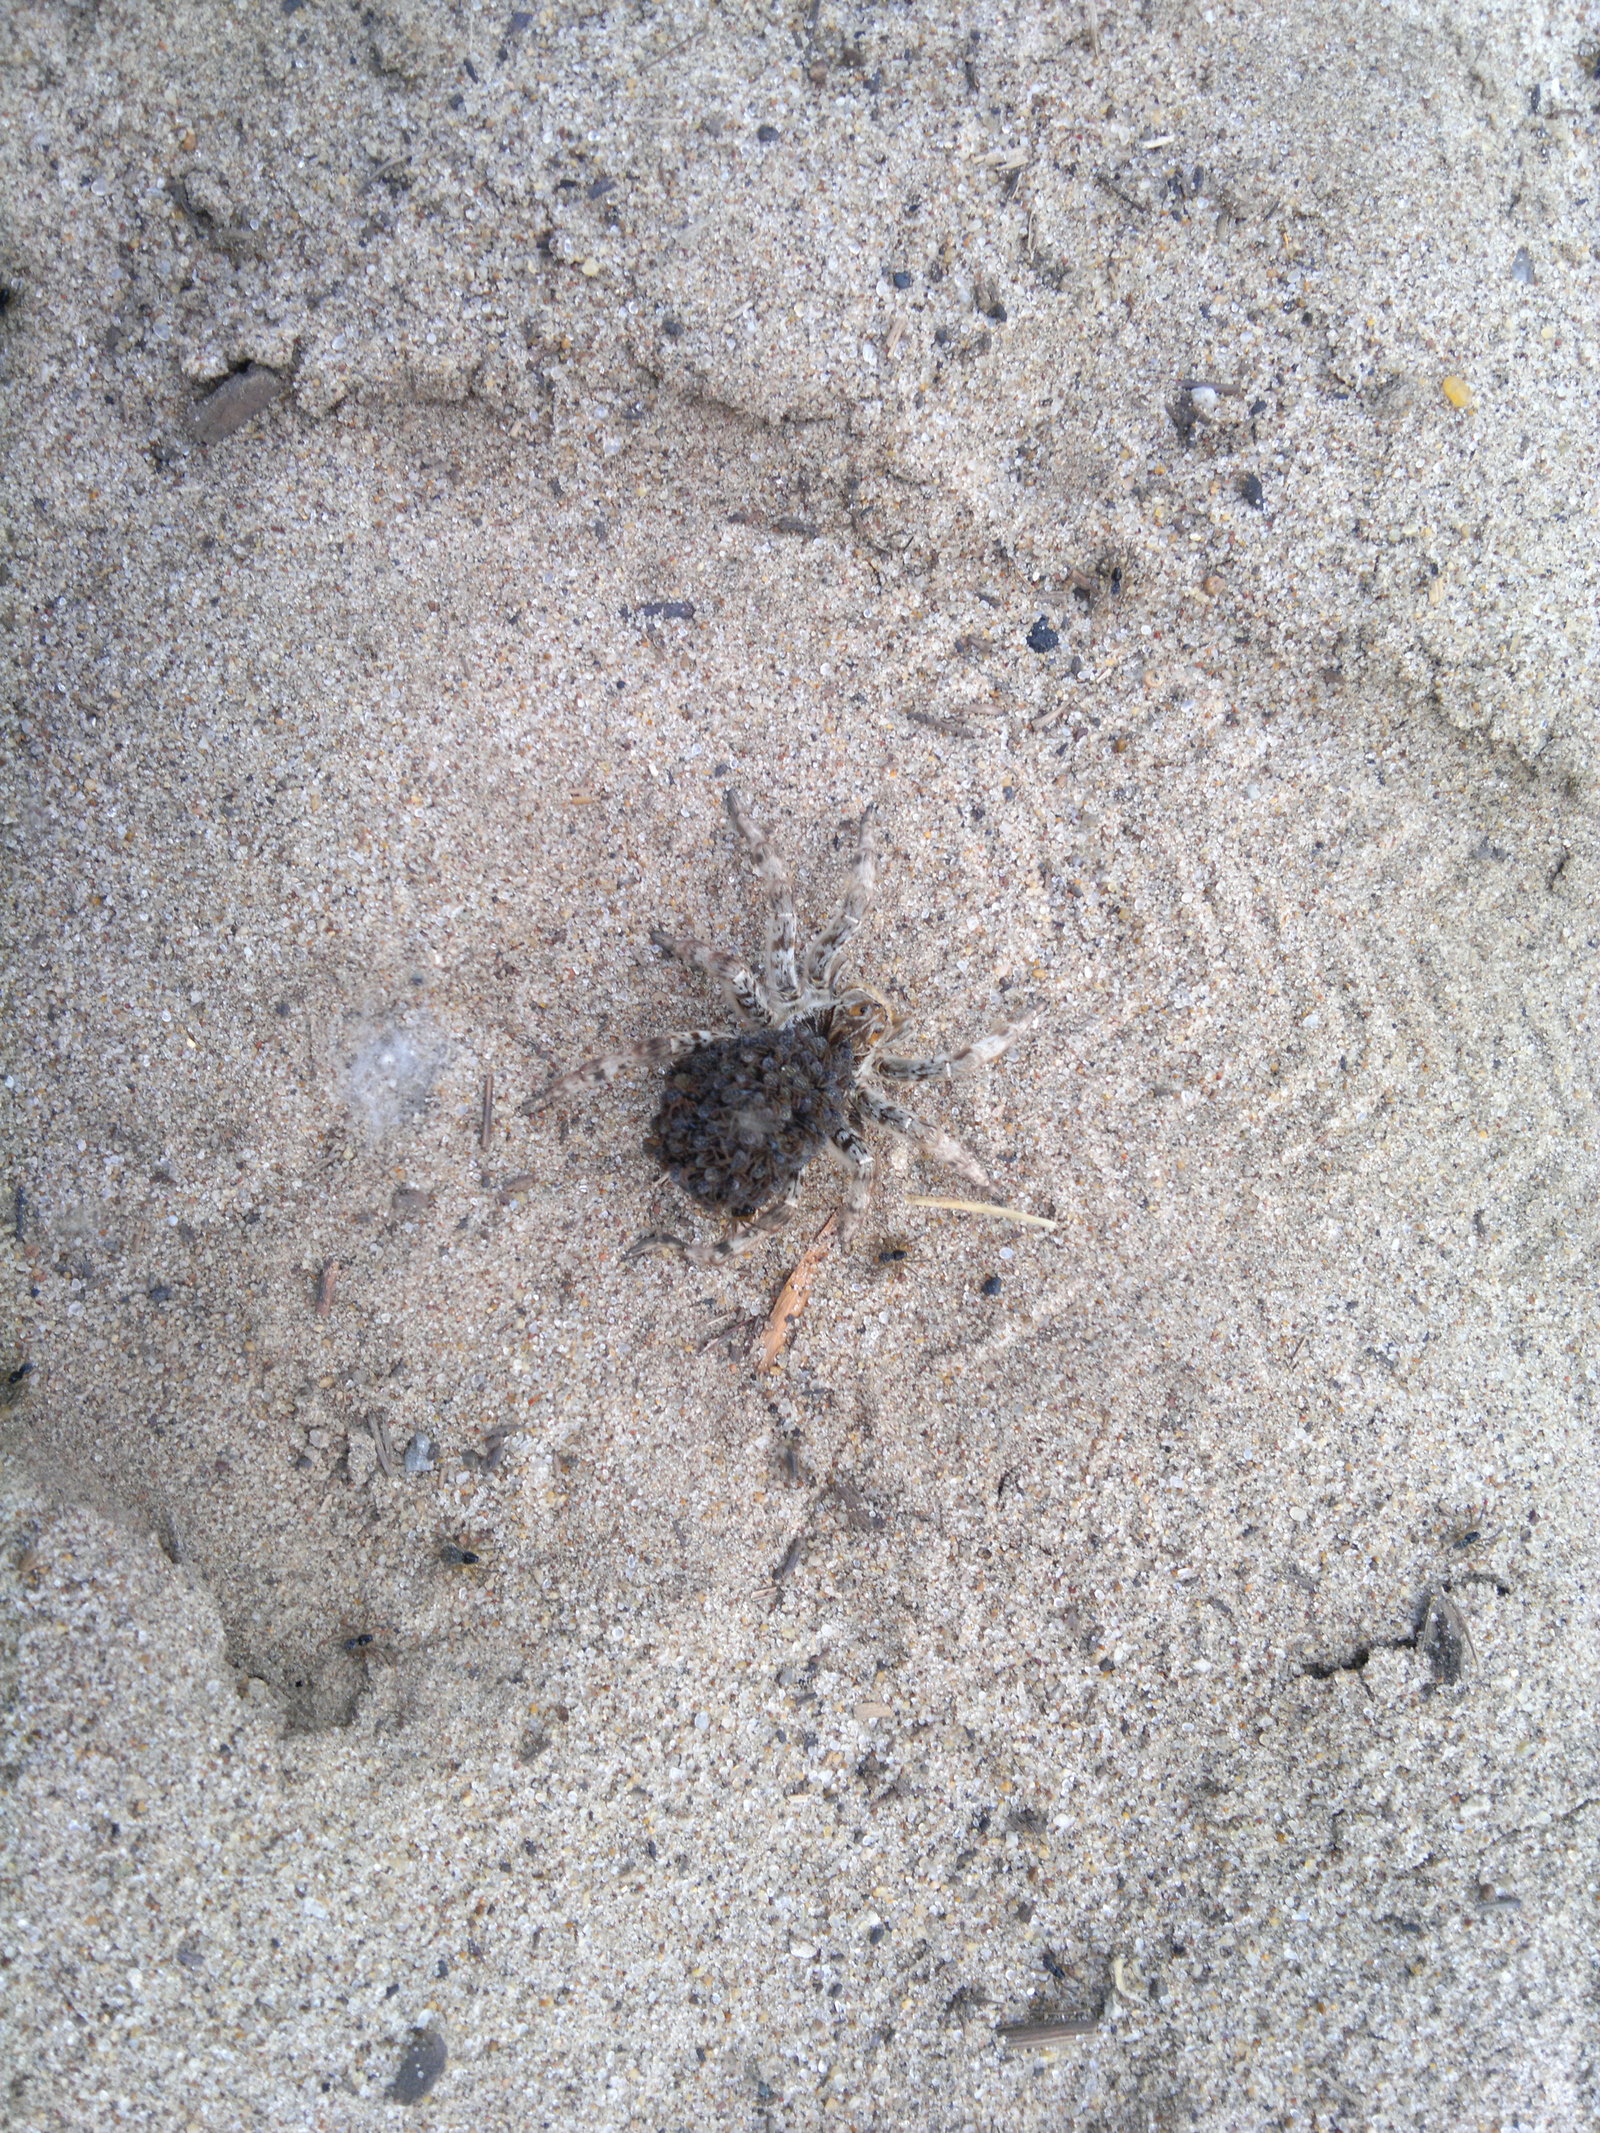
(766,133)
(992,1286)
(420,2068)
(159,1292)
(1042,638)
(1251,490)
(901,281)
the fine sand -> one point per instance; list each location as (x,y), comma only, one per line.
(1151,453)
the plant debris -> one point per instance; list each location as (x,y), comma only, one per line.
(793,1297)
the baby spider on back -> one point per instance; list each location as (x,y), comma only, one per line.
(743,1116)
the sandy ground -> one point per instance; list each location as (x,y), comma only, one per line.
(1179,1622)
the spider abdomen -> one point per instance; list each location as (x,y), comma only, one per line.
(740,1120)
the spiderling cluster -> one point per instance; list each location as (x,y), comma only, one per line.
(743,1116)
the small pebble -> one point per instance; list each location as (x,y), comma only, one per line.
(1042,638)
(159,1292)
(766,133)
(992,1286)
(901,280)
(1251,490)
(419,1455)
(1457,391)
(420,2068)
(1522,266)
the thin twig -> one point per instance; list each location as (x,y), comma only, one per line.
(486,1123)
(381,1438)
(982,1207)
(955,727)
(327,1285)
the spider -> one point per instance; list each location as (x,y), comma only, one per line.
(743,1116)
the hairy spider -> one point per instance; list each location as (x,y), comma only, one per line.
(743,1116)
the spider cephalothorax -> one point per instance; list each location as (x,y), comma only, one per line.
(743,1116)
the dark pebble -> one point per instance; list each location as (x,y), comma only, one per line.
(901,281)
(668,610)
(672,328)
(766,133)
(1042,638)
(159,1292)
(420,2068)
(1251,490)
(992,1286)
(236,401)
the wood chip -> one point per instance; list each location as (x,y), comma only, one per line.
(793,1296)
(327,1287)
(983,1207)
(1045,2036)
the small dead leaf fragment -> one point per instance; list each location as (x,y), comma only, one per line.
(793,1296)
